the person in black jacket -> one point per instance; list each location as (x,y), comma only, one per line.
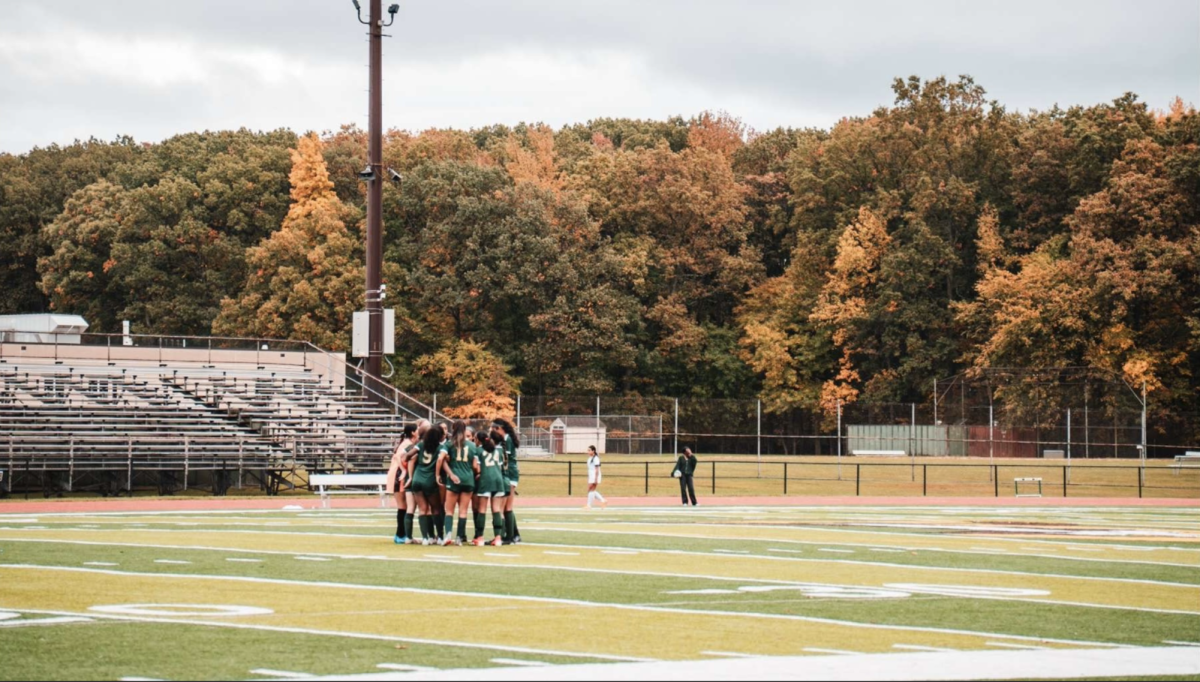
(685,470)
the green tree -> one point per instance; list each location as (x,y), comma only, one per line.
(34,189)
(75,275)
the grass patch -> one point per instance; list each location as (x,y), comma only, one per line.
(110,650)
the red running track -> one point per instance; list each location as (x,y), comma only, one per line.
(168,504)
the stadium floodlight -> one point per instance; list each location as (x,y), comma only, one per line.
(367,174)
(392,14)
(358,8)
(395,177)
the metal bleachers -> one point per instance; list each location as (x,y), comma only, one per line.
(113,430)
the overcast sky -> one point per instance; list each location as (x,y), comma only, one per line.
(148,68)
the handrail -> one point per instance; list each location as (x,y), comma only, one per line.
(355,371)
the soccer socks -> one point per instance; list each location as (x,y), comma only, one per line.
(438,519)
(510,525)
(408,525)
(462,528)
(600,497)
(448,525)
(498,524)
(400,515)
(480,522)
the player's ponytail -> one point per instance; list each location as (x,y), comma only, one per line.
(458,432)
(486,442)
(509,431)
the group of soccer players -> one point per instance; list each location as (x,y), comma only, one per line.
(446,471)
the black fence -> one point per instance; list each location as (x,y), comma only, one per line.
(914,478)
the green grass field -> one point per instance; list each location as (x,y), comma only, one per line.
(229,595)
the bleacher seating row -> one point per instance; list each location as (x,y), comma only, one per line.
(63,426)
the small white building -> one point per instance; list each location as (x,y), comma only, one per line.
(48,328)
(573,435)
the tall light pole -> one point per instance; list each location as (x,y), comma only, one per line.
(373,175)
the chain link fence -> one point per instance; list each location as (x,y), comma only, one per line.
(562,425)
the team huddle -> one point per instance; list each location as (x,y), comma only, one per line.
(438,476)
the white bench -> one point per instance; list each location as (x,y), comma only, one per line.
(1183,461)
(375,483)
(879,453)
(1017,486)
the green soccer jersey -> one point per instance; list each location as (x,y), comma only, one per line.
(491,478)
(462,461)
(512,470)
(426,466)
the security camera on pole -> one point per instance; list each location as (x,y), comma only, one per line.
(373,175)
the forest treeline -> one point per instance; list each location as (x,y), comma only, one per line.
(685,257)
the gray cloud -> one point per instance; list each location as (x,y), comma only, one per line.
(151,69)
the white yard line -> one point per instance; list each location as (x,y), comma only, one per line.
(519,663)
(237,560)
(920,567)
(888,667)
(836,652)
(918,647)
(173,562)
(784,551)
(548,600)
(728,654)
(359,536)
(103,564)
(286,674)
(404,667)
(12,624)
(561,553)
(727,527)
(1179,643)
(579,569)
(352,635)
(1025,647)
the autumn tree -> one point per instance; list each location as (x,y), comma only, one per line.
(1115,292)
(305,280)
(678,225)
(481,385)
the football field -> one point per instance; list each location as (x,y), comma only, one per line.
(285,594)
